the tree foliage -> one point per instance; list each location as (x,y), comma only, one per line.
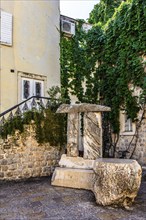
(103,11)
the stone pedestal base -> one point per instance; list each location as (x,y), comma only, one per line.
(117,182)
(73,178)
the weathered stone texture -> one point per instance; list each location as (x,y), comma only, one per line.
(24,157)
(73,135)
(77,172)
(73,178)
(117,181)
(75,162)
(83,107)
(92,136)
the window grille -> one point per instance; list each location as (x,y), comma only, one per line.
(26,89)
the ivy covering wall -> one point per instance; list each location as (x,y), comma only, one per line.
(98,66)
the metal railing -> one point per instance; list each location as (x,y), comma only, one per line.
(32,103)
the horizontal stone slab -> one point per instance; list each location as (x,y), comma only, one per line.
(75,162)
(83,107)
(73,178)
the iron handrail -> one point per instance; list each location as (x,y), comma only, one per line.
(16,106)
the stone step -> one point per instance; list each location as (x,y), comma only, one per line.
(73,178)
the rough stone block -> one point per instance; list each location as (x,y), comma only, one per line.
(117,182)
(1,157)
(73,178)
(9,174)
(4,168)
(13,167)
(3,162)
(1,174)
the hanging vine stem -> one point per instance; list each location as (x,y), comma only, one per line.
(136,134)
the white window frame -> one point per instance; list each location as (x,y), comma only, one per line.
(128,124)
(131,125)
(6,21)
(32,87)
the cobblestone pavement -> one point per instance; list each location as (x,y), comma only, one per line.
(38,200)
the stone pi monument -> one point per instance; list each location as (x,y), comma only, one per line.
(113,181)
(75,171)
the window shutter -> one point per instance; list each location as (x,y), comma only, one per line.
(6,28)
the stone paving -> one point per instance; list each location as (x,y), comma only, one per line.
(38,200)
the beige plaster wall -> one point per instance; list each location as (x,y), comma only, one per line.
(35,48)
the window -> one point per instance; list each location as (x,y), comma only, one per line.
(6,28)
(32,87)
(128,124)
(38,88)
(26,89)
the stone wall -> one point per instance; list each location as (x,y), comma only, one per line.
(21,157)
(140,149)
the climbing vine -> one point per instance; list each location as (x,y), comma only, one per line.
(103,12)
(49,126)
(73,63)
(105,65)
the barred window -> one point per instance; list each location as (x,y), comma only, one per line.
(26,89)
(38,87)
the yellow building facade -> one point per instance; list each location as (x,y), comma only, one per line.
(29,50)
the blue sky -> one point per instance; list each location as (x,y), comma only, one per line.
(77,8)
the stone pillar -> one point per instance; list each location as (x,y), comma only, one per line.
(91,142)
(92,135)
(73,135)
